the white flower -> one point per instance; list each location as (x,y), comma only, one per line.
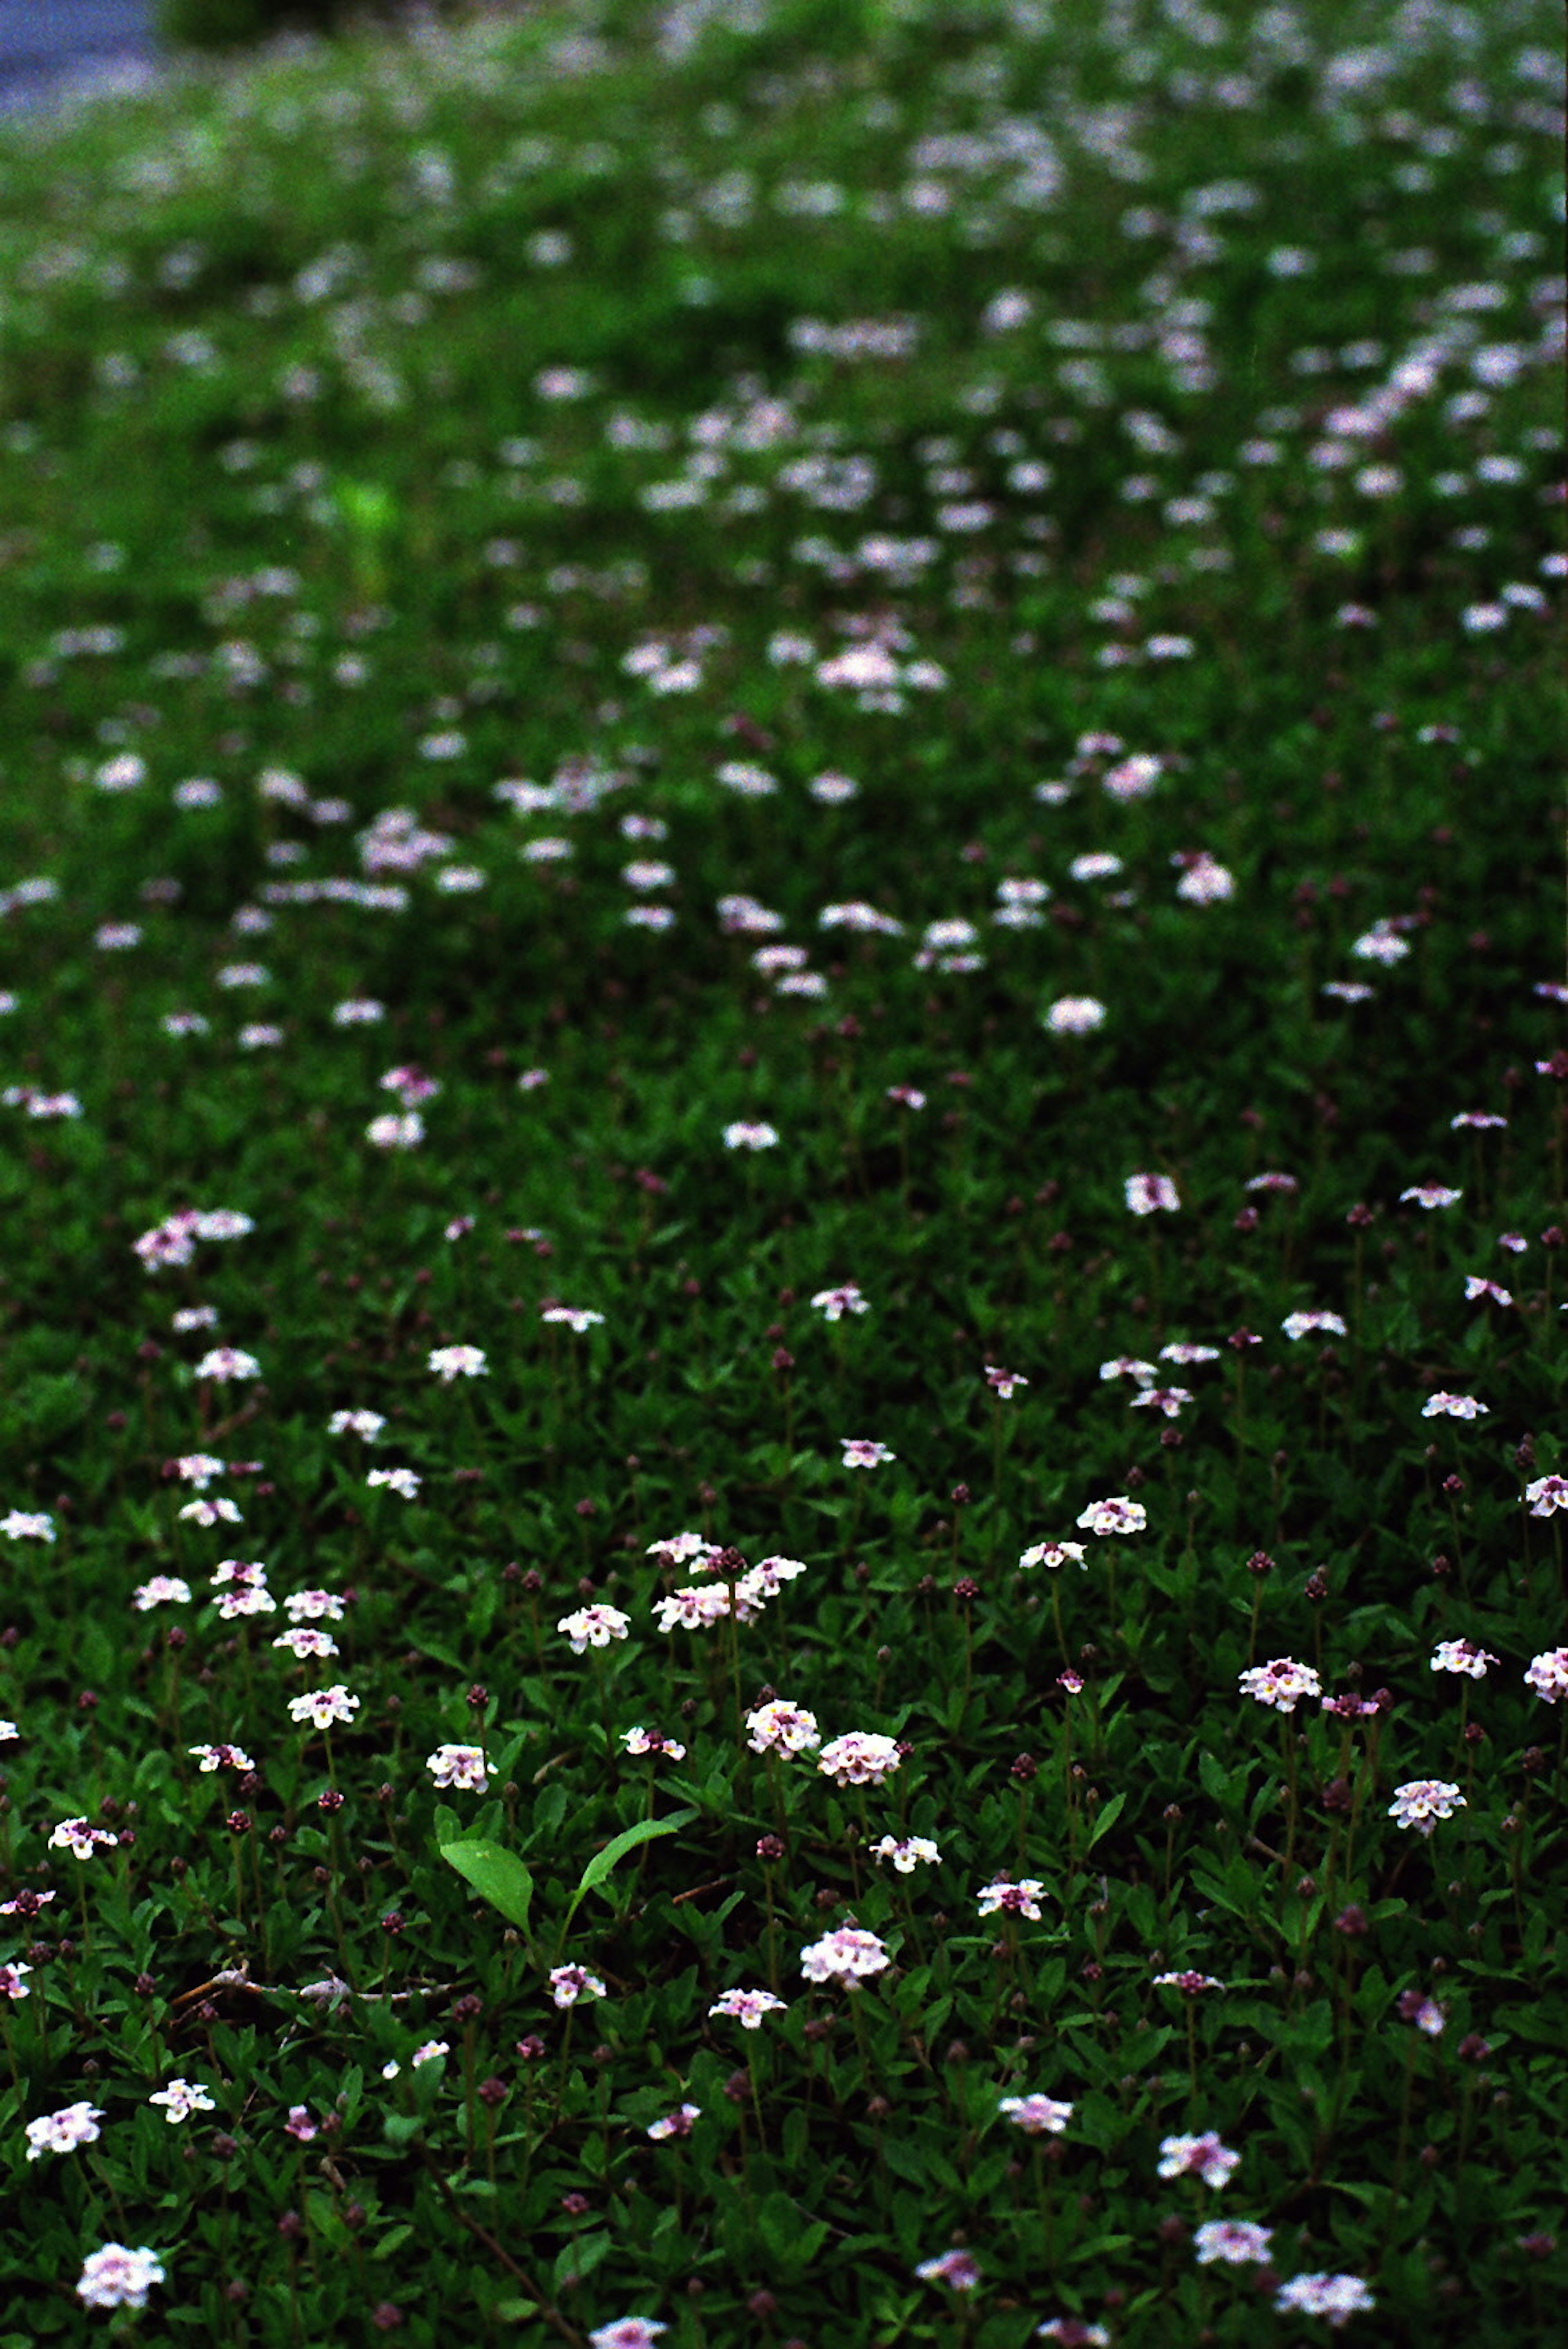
(1281,1684)
(1443,1406)
(1336,2297)
(594,1627)
(863,1452)
(832,1304)
(227,1362)
(1076,1015)
(913,1852)
(1200,2157)
(1148,1195)
(117,2277)
(1236,2242)
(780,1727)
(181,2098)
(750,1135)
(1054,1554)
(1461,1656)
(63,2131)
(848,1954)
(1548,1674)
(1423,1801)
(747,2007)
(459,1765)
(1115,1516)
(322,1707)
(1036,2116)
(569,1983)
(859,1758)
(451,1362)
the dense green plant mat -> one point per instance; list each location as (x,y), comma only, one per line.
(670,673)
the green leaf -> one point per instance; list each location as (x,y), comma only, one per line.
(615,1851)
(1108,1815)
(496,1874)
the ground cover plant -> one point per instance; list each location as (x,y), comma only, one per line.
(782,1118)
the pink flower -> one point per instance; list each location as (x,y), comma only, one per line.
(1148,1195)
(1336,2297)
(1054,1554)
(299,2125)
(1036,2115)
(569,1983)
(859,1758)
(1422,1802)
(862,1452)
(1115,1516)
(675,2123)
(1002,1383)
(1236,2242)
(1197,2157)
(1461,1656)
(1282,1684)
(627,2333)
(1546,1494)
(1548,1674)
(780,1727)
(955,2269)
(1020,1900)
(1443,1406)
(747,2007)
(845,1955)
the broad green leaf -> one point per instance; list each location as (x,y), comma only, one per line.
(1108,1815)
(615,1850)
(496,1874)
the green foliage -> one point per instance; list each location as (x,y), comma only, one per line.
(456,469)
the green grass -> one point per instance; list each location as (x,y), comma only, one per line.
(1166,406)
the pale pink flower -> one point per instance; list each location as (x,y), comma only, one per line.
(695,1608)
(1054,1554)
(863,1452)
(1431,1194)
(163,1590)
(1115,1516)
(117,2277)
(652,1741)
(80,1838)
(1236,2242)
(628,2332)
(1422,1802)
(955,2269)
(860,1757)
(1282,1684)
(1148,1195)
(1314,1320)
(1036,2116)
(1076,1015)
(832,1304)
(1171,1401)
(846,1955)
(451,1362)
(1010,1900)
(780,1727)
(322,1707)
(1461,1656)
(1197,2157)
(594,1627)
(219,1757)
(1443,1406)
(569,1983)
(1477,1286)
(1547,1675)
(1002,1383)
(676,2124)
(62,2132)
(1547,1494)
(906,1856)
(181,2098)
(1336,2297)
(462,1766)
(747,2007)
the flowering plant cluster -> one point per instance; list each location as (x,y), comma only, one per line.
(785,1126)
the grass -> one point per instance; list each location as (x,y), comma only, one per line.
(622,581)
